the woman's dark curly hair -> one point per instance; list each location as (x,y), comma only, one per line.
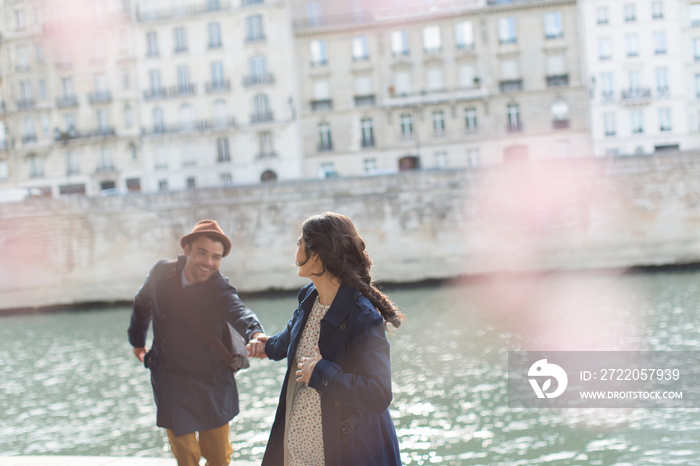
(342,252)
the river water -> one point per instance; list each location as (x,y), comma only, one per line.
(69,384)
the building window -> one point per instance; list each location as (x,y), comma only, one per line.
(72,163)
(152,44)
(20,19)
(506,30)
(180,40)
(254,28)
(22,62)
(36,166)
(399,43)
(69,120)
(217,74)
(158,125)
(464,35)
(133,185)
(609,124)
(67,88)
(560,114)
(659,43)
(636,121)
(402,83)
(42,89)
(470,120)
(695,15)
(258,68)
(261,106)
(467,76)
(318,53)
(406,124)
(191,183)
(154,81)
(186,114)
(696,48)
(435,81)
(441,159)
(604,48)
(602,15)
(370,165)
(102,120)
(105,159)
(513,117)
(313,12)
(4,170)
(360,48)
(222,153)
(630,12)
(367,131)
(46,124)
(662,81)
(552,25)
(183,79)
(325,142)
(265,144)
(634,79)
(657,10)
(632,44)
(432,41)
(29,133)
(163,186)
(665,119)
(473,157)
(214,35)
(697,86)
(327,170)
(438,122)
(226,179)
(134,153)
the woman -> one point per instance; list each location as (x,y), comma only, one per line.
(333,409)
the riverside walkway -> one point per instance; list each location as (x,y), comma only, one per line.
(97,461)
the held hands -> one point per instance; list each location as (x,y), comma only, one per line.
(306,367)
(256,346)
(140,353)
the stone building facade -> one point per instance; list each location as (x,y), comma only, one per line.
(440,84)
(642,65)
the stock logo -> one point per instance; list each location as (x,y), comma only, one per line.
(547,371)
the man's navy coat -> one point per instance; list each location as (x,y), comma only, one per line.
(354,379)
(193,388)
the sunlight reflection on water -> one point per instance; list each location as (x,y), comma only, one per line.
(69,385)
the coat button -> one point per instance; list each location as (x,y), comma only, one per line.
(342,326)
(337,404)
(324,383)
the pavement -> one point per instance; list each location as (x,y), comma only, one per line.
(96,461)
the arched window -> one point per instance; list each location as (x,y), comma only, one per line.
(268,175)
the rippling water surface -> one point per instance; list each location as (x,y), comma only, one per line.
(70,385)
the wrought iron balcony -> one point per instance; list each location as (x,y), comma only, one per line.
(100,97)
(325,146)
(256,79)
(511,85)
(364,100)
(181,89)
(261,117)
(514,128)
(152,94)
(25,104)
(323,104)
(218,86)
(636,94)
(66,101)
(367,142)
(558,80)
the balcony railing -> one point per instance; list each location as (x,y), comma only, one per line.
(367,142)
(24,104)
(364,100)
(74,134)
(100,97)
(3,144)
(217,86)
(323,104)
(255,38)
(200,125)
(152,94)
(261,117)
(266,155)
(66,101)
(256,79)
(182,89)
(181,11)
(511,85)
(29,139)
(514,128)
(560,124)
(325,146)
(558,80)
(636,94)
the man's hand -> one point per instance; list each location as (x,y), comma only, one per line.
(306,367)
(140,353)
(256,346)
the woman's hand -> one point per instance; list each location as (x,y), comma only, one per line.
(140,353)
(306,367)
(256,346)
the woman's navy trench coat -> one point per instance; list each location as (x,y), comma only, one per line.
(354,379)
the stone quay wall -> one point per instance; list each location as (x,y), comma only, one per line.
(419,225)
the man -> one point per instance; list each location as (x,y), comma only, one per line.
(193,388)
